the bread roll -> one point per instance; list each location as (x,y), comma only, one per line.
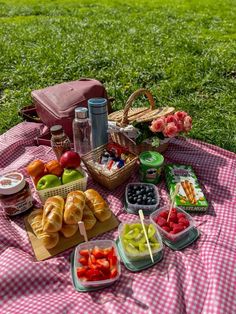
(53,214)
(49,240)
(88,218)
(69,230)
(97,205)
(74,206)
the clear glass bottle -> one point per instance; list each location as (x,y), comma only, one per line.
(60,142)
(81,131)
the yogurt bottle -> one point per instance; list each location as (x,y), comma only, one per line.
(150,168)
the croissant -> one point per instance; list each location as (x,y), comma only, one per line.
(97,205)
(74,207)
(88,218)
(53,214)
(49,240)
(68,230)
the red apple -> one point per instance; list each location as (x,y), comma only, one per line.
(70,159)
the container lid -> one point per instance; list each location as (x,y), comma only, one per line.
(56,129)
(150,158)
(11,183)
(81,113)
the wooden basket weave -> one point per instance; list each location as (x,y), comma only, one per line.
(109,181)
(128,115)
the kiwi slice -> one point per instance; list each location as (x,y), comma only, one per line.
(139,239)
(135,226)
(131,249)
(151,231)
(153,239)
(133,233)
(143,247)
(126,228)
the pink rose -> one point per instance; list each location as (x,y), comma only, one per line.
(171,118)
(180,115)
(187,123)
(170,130)
(158,125)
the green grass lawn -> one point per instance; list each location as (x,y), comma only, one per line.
(183,51)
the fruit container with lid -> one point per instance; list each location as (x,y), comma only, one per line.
(143,196)
(104,257)
(133,241)
(162,226)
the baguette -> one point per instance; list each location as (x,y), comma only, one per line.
(88,218)
(53,214)
(97,205)
(74,206)
(49,240)
(68,230)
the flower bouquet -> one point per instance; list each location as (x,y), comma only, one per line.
(160,130)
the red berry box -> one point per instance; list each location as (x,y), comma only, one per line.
(97,263)
(178,226)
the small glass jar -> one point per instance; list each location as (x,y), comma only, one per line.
(60,142)
(15,194)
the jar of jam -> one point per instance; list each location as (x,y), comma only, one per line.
(60,142)
(15,194)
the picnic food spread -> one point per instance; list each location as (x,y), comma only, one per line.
(54,224)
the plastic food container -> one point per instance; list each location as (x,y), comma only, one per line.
(90,245)
(166,235)
(148,208)
(140,256)
(64,189)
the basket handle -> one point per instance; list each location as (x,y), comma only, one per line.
(132,98)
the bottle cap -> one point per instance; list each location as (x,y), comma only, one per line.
(11,183)
(56,129)
(81,113)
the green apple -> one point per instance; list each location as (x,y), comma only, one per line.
(70,175)
(48,181)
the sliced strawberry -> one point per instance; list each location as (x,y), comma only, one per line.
(114,272)
(171,224)
(83,260)
(113,261)
(94,275)
(161,221)
(97,252)
(84,253)
(181,215)
(81,271)
(103,263)
(109,250)
(92,261)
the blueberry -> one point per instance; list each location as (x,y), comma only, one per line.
(149,201)
(139,201)
(153,201)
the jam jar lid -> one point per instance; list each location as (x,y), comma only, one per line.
(11,183)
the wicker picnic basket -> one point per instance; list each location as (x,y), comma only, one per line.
(128,115)
(110,181)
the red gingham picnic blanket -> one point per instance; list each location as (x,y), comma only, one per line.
(198,279)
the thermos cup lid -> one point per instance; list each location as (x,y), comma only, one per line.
(97,105)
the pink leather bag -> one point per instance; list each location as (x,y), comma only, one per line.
(56,104)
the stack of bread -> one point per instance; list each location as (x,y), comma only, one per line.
(62,216)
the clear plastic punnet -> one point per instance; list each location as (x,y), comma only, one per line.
(138,255)
(166,235)
(147,188)
(103,244)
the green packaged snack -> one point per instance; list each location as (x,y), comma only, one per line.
(190,196)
